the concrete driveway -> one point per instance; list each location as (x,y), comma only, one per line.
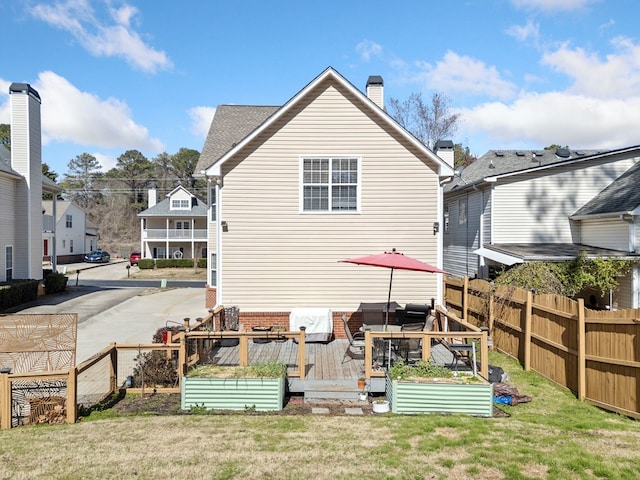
(117,314)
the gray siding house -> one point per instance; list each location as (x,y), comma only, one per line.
(512,206)
(175,227)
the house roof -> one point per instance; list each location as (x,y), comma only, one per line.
(163,209)
(231,123)
(220,144)
(554,252)
(61,207)
(48,185)
(496,164)
(619,198)
(5,162)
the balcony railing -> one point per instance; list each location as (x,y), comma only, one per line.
(173,234)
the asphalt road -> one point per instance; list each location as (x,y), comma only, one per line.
(112,308)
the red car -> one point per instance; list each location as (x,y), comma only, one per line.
(134,257)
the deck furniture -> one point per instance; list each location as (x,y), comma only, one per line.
(356,340)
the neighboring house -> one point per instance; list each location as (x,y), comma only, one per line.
(295,189)
(75,234)
(176,227)
(21,188)
(511,207)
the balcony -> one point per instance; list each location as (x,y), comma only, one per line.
(175,234)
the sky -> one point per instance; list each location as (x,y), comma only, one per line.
(148,74)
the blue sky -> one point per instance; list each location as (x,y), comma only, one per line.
(147,75)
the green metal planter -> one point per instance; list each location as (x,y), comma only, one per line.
(411,397)
(261,394)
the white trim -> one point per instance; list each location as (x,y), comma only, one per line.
(331,157)
(444,168)
(497,256)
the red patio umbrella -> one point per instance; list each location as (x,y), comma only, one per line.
(393,260)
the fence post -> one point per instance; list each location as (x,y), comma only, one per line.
(582,357)
(491,308)
(301,353)
(244,351)
(368,354)
(5,401)
(465,298)
(527,331)
(182,357)
(113,380)
(72,395)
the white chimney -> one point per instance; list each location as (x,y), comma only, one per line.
(444,149)
(26,159)
(375,90)
(153,196)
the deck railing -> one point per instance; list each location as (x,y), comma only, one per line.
(174,234)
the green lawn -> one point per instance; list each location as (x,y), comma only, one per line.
(554,437)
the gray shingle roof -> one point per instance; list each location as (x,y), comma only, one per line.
(622,196)
(231,123)
(555,251)
(501,162)
(163,209)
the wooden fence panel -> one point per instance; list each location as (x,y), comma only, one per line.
(613,359)
(478,303)
(599,361)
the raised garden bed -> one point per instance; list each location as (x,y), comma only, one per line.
(410,392)
(256,387)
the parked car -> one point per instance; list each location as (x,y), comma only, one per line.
(97,256)
(134,257)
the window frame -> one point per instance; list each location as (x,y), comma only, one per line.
(8,259)
(69,221)
(330,184)
(180,204)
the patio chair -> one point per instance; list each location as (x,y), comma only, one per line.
(356,341)
(410,348)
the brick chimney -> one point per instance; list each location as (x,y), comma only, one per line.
(375,90)
(26,159)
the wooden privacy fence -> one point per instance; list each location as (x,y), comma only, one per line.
(595,354)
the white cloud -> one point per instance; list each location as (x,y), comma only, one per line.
(459,73)
(522,33)
(552,5)
(80,117)
(618,76)
(367,49)
(538,120)
(201,118)
(114,37)
(106,162)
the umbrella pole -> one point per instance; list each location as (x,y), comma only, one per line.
(386,317)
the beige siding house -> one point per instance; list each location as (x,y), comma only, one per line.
(538,205)
(294,189)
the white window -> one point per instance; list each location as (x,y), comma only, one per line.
(69,221)
(212,268)
(212,203)
(8,261)
(330,184)
(446,218)
(70,246)
(179,204)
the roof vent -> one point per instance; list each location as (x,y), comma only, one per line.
(520,154)
(499,154)
(563,153)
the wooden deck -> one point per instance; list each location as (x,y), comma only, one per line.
(326,368)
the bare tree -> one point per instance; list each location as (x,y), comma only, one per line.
(428,123)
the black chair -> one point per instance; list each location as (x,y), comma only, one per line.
(410,348)
(356,341)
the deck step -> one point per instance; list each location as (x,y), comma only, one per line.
(331,392)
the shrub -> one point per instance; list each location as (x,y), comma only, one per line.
(154,368)
(202,263)
(55,282)
(174,263)
(18,292)
(146,264)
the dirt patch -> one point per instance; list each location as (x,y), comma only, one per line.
(169,404)
(172,273)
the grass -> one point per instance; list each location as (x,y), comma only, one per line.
(552,437)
